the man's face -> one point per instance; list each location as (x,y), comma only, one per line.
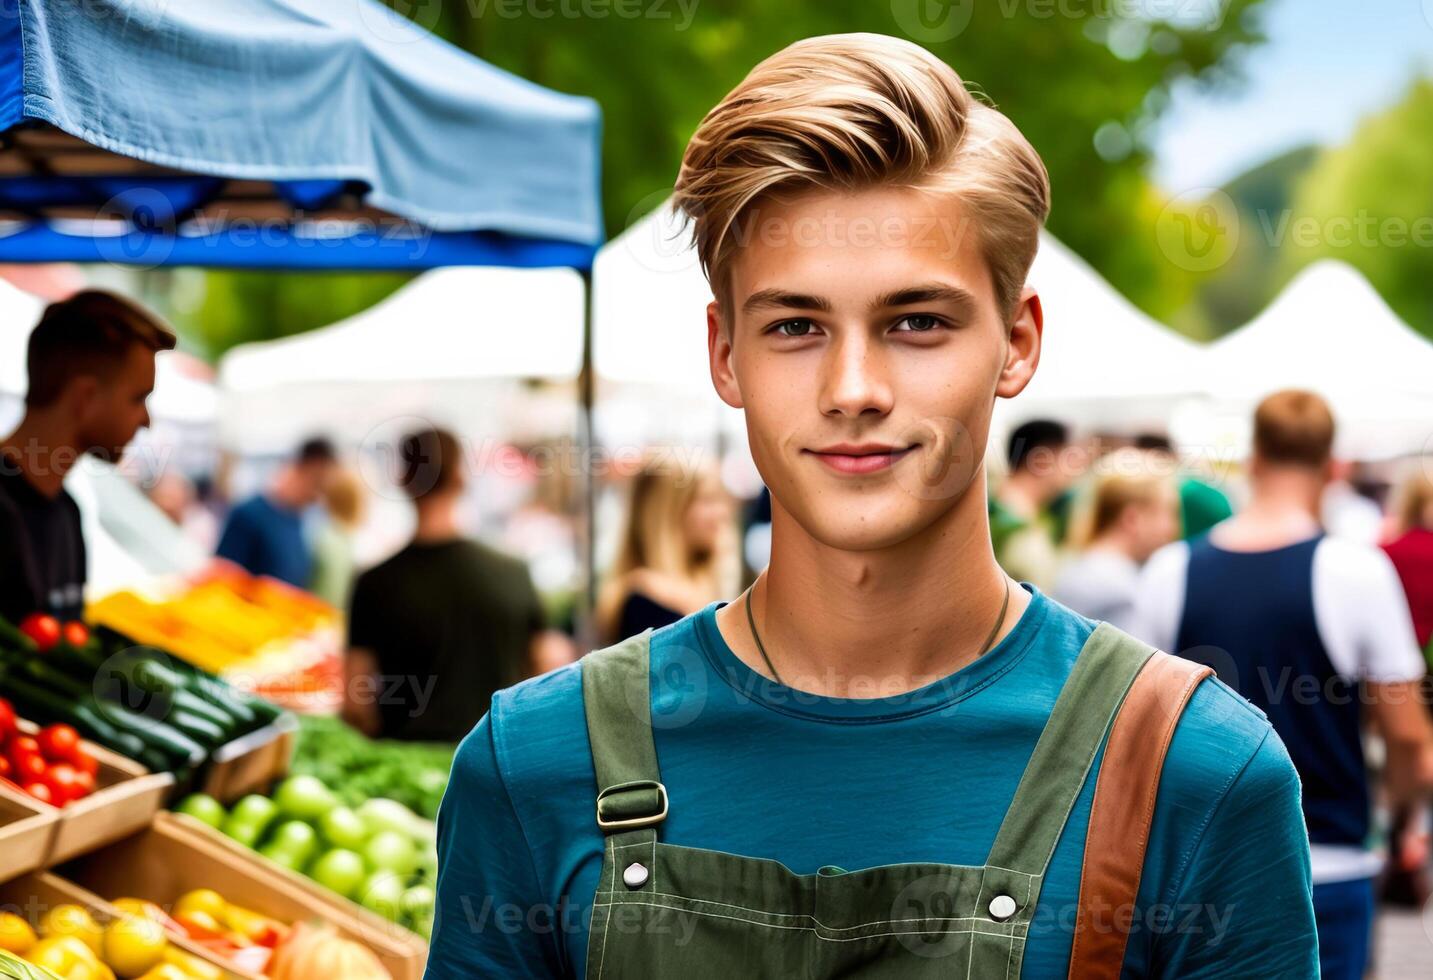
(865,344)
(114,409)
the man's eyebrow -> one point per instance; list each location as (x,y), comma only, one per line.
(931,292)
(781,297)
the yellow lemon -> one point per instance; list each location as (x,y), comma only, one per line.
(16,936)
(60,954)
(72,920)
(133,945)
(205,900)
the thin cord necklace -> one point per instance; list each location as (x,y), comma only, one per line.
(751,620)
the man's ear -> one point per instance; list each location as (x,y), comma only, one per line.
(719,354)
(81,394)
(1022,355)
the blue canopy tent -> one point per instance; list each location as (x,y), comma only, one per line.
(283,134)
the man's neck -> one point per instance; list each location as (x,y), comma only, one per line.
(437,520)
(1282,509)
(876,623)
(45,452)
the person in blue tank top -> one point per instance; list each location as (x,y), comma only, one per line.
(871,704)
(1314,631)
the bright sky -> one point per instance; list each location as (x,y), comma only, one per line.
(1327,63)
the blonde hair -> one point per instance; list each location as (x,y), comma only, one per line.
(1413,502)
(853,111)
(1123,479)
(1294,427)
(654,538)
(343,498)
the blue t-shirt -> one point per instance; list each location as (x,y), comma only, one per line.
(756,768)
(266,539)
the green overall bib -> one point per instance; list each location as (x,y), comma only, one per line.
(666,911)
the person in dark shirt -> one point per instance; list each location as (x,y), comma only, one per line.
(437,628)
(91,368)
(678,550)
(265,534)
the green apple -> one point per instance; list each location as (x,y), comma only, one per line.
(342,827)
(380,814)
(295,837)
(390,851)
(304,797)
(283,856)
(340,871)
(203,807)
(382,892)
(254,809)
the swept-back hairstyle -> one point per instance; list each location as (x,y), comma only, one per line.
(853,111)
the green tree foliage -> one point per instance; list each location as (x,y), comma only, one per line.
(1370,203)
(1063,70)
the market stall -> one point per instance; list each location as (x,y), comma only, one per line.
(282,134)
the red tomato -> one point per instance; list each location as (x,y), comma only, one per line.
(42,628)
(7,720)
(27,763)
(84,782)
(59,743)
(5,767)
(75,633)
(61,780)
(40,792)
(85,763)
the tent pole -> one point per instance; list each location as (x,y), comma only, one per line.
(586,624)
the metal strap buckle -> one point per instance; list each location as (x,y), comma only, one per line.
(633,822)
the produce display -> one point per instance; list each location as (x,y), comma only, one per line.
(319,951)
(153,708)
(359,768)
(380,853)
(229,620)
(71,944)
(51,766)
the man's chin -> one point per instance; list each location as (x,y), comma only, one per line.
(107,455)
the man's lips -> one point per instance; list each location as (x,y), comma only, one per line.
(859,459)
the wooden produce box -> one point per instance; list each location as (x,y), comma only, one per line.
(32,895)
(252,762)
(126,798)
(177,854)
(27,829)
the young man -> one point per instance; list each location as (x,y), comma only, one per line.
(1296,620)
(438,627)
(859,767)
(265,534)
(91,368)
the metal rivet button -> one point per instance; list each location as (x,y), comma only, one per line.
(636,876)
(1002,907)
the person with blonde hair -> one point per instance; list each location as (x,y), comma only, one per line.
(1411,547)
(344,504)
(1130,510)
(885,758)
(677,552)
(1313,629)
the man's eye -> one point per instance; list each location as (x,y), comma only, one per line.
(794,328)
(917,323)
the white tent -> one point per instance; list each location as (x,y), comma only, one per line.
(1329,331)
(1104,361)
(451,347)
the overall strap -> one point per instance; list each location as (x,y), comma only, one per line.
(1104,670)
(1122,810)
(616,692)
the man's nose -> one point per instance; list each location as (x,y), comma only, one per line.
(855,378)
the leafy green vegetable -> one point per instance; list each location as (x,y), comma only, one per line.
(359,768)
(14,968)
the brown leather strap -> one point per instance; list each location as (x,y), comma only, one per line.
(1122,809)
